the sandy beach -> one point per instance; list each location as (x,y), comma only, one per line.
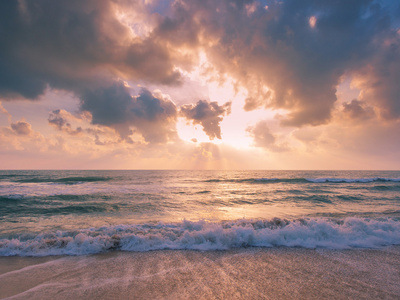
(253,273)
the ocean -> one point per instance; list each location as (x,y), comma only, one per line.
(155,225)
(84,212)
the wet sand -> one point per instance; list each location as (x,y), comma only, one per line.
(254,273)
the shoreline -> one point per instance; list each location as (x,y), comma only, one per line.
(262,273)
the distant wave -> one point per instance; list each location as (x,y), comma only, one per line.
(272,180)
(259,180)
(64,180)
(307,180)
(307,233)
(10,198)
(351,180)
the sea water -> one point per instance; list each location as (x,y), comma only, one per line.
(46,213)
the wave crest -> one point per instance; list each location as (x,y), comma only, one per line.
(307,180)
(307,233)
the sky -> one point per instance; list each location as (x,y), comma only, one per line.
(211,84)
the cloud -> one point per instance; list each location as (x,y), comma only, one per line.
(263,137)
(358,110)
(74,45)
(287,61)
(154,116)
(86,47)
(290,55)
(5,112)
(208,115)
(59,119)
(378,79)
(22,128)
(20,138)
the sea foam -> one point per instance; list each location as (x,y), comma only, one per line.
(307,233)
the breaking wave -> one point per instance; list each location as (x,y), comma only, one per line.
(306,233)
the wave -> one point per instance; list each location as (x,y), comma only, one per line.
(307,233)
(254,180)
(307,180)
(353,180)
(11,198)
(64,180)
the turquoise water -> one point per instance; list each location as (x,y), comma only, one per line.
(80,212)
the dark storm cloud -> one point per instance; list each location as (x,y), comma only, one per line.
(72,45)
(291,54)
(208,115)
(82,47)
(153,116)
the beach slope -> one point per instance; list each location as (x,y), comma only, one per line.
(252,273)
